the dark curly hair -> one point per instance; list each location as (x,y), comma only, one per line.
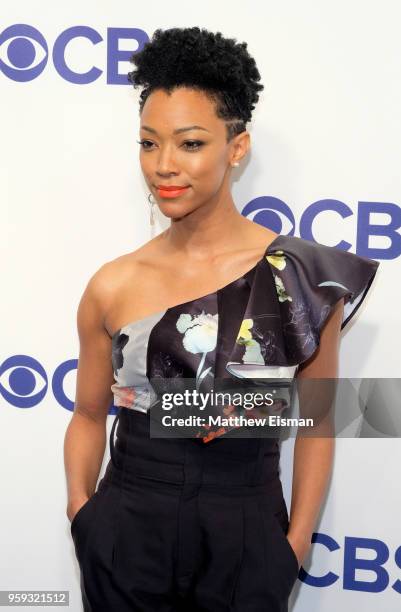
(196,58)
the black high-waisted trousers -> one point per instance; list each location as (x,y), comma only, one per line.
(180,525)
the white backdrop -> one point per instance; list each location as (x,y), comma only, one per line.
(327,127)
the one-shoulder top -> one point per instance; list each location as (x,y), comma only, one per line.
(263,324)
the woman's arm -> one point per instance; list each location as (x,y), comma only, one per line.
(313,455)
(85,437)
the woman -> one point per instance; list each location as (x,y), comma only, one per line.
(199,522)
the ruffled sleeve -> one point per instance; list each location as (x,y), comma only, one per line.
(310,278)
(291,294)
(271,320)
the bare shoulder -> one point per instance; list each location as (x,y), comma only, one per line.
(110,283)
(116,273)
(256,237)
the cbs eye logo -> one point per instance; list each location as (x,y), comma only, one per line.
(26,45)
(275,214)
(24,382)
(272,213)
(24,52)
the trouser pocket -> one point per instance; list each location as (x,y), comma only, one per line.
(281,519)
(81,525)
(282,565)
(85,521)
(78,515)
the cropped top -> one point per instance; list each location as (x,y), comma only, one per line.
(263,324)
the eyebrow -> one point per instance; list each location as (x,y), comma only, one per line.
(177,131)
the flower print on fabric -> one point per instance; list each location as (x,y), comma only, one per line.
(261,351)
(306,296)
(252,347)
(281,292)
(142,397)
(117,349)
(123,396)
(200,336)
(278,261)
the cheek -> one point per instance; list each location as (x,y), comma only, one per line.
(146,165)
(206,167)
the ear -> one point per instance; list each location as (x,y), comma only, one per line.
(240,146)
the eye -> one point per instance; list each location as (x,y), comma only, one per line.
(143,142)
(197,143)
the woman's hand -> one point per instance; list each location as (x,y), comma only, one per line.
(301,547)
(75,505)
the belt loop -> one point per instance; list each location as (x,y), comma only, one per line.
(111,441)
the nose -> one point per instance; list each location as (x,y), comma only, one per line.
(166,164)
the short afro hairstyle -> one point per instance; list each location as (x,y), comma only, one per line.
(196,58)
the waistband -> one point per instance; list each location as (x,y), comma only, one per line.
(223,462)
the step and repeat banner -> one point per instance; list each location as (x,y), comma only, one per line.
(324,165)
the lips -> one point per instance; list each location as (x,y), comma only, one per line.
(171,187)
(171,191)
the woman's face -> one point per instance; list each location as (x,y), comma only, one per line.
(183,144)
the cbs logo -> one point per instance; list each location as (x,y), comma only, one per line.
(24,53)
(275,214)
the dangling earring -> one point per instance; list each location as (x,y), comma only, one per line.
(235,164)
(151,217)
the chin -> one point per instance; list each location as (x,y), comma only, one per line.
(174,210)
(177,216)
